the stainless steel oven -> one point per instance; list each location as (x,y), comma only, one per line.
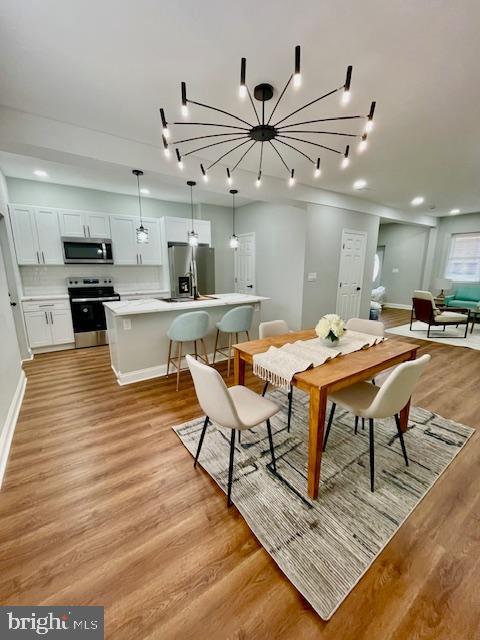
(87,296)
(87,250)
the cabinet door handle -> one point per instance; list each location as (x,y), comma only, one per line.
(46,317)
(89,234)
(45,305)
(84,231)
(43,256)
(137,258)
(38,257)
(141,259)
(51,317)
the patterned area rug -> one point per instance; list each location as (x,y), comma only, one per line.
(325,546)
(452,335)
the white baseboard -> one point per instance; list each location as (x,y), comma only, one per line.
(153,372)
(395,305)
(29,358)
(6,432)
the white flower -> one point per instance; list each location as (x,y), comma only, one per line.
(330,326)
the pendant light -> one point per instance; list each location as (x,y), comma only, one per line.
(233,238)
(141,232)
(192,235)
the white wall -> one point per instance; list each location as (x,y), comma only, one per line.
(35,192)
(11,373)
(280,254)
(405,251)
(447,226)
(322,255)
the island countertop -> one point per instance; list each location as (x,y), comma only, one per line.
(151,305)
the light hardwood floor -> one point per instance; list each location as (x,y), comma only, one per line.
(101,505)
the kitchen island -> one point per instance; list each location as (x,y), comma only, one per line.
(137,331)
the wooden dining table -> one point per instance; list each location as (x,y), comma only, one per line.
(318,382)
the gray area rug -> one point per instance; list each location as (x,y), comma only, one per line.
(324,546)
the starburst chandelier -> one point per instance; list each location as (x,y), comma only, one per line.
(276,136)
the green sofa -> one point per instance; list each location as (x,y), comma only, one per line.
(466,296)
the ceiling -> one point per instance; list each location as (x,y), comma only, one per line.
(108,66)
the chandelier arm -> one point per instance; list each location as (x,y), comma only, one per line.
(297,150)
(315,144)
(280,156)
(214,144)
(226,154)
(296,124)
(253,104)
(207,106)
(243,155)
(325,95)
(330,133)
(280,97)
(214,124)
(212,135)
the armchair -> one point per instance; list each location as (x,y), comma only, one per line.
(425,310)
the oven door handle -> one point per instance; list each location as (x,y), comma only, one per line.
(109,299)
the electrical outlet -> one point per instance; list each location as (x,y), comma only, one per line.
(127,324)
(395,270)
(312,276)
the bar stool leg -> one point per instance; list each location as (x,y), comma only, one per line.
(169,356)
(179,361)
(236,338)
(229,353)
(216,344)
(205,350)
(195,348)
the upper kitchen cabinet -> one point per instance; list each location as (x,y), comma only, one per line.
(125,248)
(36,233)
(84,224)
(177,229)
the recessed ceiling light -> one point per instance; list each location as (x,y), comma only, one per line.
(360,184)
(40,173)
(454,211)
(145,191)
(417,201)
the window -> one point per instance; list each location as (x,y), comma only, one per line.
(463,264)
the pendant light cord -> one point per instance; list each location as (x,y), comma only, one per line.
(233,207)
(139,200)
(191,205)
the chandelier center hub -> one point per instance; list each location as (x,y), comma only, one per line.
(263,133)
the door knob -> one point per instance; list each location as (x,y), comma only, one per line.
(358,288)
(13,304)
(249,286)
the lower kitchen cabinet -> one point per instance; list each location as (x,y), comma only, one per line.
(48,323)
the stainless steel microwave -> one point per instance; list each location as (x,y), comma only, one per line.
(87,250)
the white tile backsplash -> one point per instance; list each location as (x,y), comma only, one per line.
(52,279)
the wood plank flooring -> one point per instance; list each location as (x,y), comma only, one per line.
(101,505)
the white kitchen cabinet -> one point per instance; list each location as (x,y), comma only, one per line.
(177,229)
(124,243)
(36,234)
(84,224)
(48,323)
(125,248)
(49,242)
(61,326)
(150,253)
(38,328)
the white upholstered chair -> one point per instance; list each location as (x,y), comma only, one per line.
(236,408)
(369,401)
(268,330)
(372,327)
(425,310)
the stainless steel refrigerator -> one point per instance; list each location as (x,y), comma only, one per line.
(185,263)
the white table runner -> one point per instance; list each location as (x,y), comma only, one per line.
(279,365)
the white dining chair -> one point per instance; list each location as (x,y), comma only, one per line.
(268,330)
(236,408)
(369,401)
(373,328)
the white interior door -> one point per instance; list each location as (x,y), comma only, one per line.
(352,266)
(245,264)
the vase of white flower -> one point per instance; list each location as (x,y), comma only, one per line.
(330,329)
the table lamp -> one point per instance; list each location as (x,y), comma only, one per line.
(442,284)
